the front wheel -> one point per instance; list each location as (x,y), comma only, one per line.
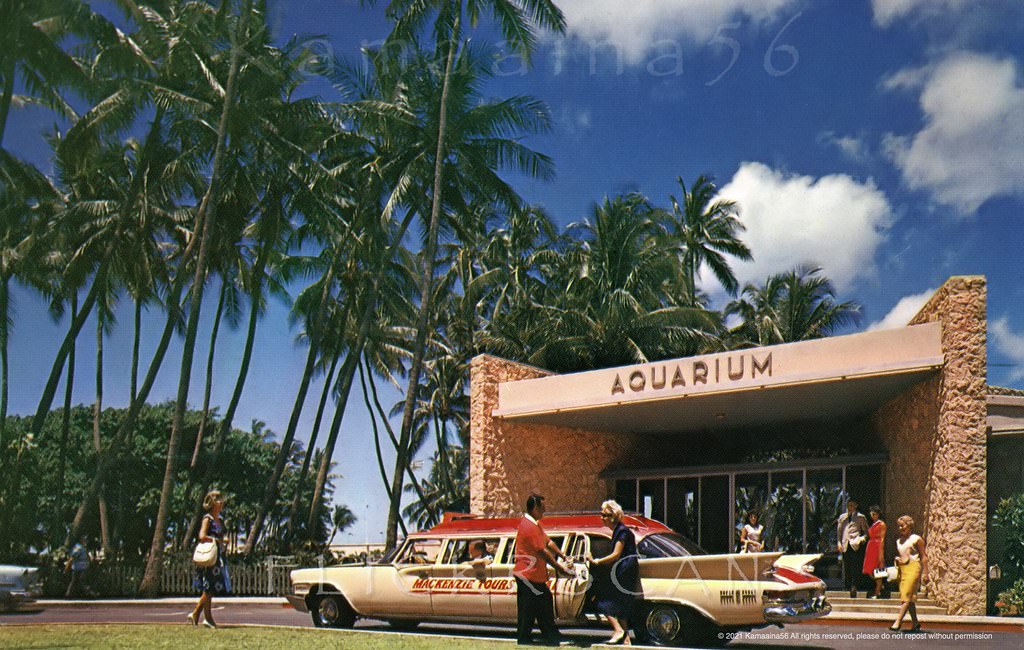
(332,611)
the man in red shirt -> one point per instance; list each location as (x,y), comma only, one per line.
(534,551)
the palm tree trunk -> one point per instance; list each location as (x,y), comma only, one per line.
(348,369)
(107,458)
(394,445)
(270,495)
(209,376)
(77,322)
(426,294)
(5,297)
(65,426)
(150,585)
(344,388)
(293,511)
(136,341)
(243,373)
(96,439)
(5,101)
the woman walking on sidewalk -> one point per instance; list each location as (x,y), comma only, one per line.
(912,562)
(212,579)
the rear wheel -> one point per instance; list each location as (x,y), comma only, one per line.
(663,624)
(332,611)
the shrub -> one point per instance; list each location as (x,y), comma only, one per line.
(1011,601)
(1009,517)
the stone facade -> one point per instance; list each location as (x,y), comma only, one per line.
(508,460)
(936,436)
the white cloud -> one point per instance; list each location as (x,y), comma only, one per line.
(634,28)
(1009,344)
(971,148)
(903,311)
(852,147)
(887,12)
(834,222)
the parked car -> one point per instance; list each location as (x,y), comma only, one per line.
(689,596)
(19,587)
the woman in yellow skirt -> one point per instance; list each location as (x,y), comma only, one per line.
(912,563)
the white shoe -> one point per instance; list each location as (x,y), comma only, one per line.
(192,619)
(210,624)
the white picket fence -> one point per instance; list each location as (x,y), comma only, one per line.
(269,578)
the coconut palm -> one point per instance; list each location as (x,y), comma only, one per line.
(702,229)
(34,57)
(608,298)
(794,306)
(517,20)
(341,518)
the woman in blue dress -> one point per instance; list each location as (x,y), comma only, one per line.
(212,579)
(616,595)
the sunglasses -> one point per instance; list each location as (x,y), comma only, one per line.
(606,515)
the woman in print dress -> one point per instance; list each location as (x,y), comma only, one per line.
(212,579)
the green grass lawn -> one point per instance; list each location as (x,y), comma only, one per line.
(74,636)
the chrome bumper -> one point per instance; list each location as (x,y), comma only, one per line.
(793,612)
(298,602)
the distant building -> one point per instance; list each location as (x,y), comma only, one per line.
(904,418)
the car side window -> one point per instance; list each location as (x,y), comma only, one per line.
(600,546)
(420,551)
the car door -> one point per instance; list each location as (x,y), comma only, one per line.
(402,589)
(458,589)
(570,592)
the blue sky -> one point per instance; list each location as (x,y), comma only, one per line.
(880,139)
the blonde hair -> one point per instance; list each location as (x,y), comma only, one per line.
(614,507)
(906,519)
(210,498)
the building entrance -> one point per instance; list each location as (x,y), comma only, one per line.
(799,503)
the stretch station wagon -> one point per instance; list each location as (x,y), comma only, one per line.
(688,595)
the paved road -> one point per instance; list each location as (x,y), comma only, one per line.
(845,636)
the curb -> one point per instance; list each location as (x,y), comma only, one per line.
(148,602)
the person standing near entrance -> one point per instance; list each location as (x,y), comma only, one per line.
(874,556)
(534,552)
(912,562)
(852,532)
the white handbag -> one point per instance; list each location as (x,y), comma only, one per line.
(205,554)
(889,573)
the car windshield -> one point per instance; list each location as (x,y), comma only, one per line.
(668,545)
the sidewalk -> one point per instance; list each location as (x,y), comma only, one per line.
(934,621)
(227,601)
(937,621)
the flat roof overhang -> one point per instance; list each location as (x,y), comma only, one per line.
(1005,415)
(822,379)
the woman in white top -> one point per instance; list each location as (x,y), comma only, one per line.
(912,563)
(751,534)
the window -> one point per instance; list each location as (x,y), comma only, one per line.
(667,545)
(420,551)
(459,550)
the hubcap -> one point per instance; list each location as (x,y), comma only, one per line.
(663,624)
(329,611)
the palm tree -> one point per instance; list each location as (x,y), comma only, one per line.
(342,518)
(703,230)
(607,298)
(32,33)
(516,19)
(798,305)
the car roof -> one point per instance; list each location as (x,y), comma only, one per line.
(585,522)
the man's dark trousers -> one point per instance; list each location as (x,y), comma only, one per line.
(535,603)
(853,566)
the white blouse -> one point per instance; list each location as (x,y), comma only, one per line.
(908,549)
